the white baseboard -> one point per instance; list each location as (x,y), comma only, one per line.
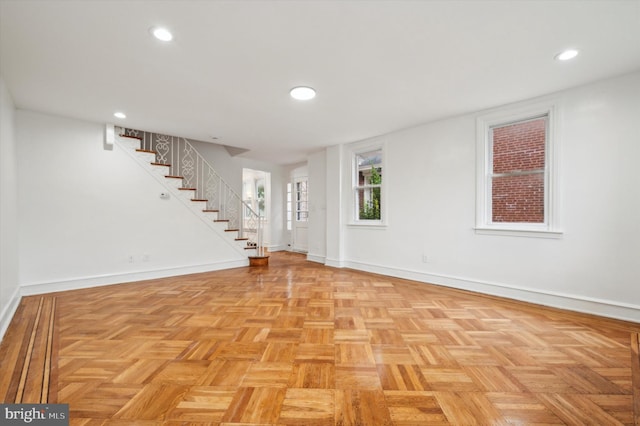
(600,307)
(315,258)
(9,311)
(335,263)
(275,247)
(95,281)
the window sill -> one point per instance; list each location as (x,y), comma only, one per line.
(514,232)
(363,224)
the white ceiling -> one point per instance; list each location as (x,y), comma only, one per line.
(378,66)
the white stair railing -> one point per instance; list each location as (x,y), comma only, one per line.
(198,174)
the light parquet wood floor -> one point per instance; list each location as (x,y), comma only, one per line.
(298,343)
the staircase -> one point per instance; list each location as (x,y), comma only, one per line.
(187,176)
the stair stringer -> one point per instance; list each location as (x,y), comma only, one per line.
(159,173)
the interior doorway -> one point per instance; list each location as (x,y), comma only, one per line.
(256,193)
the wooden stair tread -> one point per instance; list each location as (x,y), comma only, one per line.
(211,211)
(161,164)
(231,230)
(242,239)
(199,199)
(221,220)
(145,150)
(186,189)
(132,137)
(174,177)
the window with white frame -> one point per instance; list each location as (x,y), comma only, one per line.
(368,192)
(516,179)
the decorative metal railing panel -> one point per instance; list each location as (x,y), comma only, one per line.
(198,174)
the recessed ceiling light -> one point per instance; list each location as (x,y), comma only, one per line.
(119,114)
(162,34)
(567,54)
(302,93)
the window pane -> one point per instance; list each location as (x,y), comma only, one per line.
(289,207)
(369,168)
(369,158)
(368,200)
(518,198)
(301,204)
(519,146)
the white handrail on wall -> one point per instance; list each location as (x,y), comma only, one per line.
(198,174)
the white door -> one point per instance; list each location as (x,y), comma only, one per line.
(300,214)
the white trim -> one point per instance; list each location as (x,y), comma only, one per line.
(532,233)
(9,311)
(109,136)
(571,302)
(374,225)
(293,250)
(367,223)
(511,114)
(109,279)
(277,247)
(316,258)
(335,263)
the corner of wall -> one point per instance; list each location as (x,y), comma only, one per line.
(9,280)
(316,258)
(8,311)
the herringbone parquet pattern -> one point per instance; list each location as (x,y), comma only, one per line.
(298,343)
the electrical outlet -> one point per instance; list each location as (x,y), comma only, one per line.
(425,258)
(130,258)
(145,257)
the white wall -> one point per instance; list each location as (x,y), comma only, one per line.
(84,210)
(317,167)
(430,178)
(335,224)
(9,294)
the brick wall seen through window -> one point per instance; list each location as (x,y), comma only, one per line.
(518,164)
